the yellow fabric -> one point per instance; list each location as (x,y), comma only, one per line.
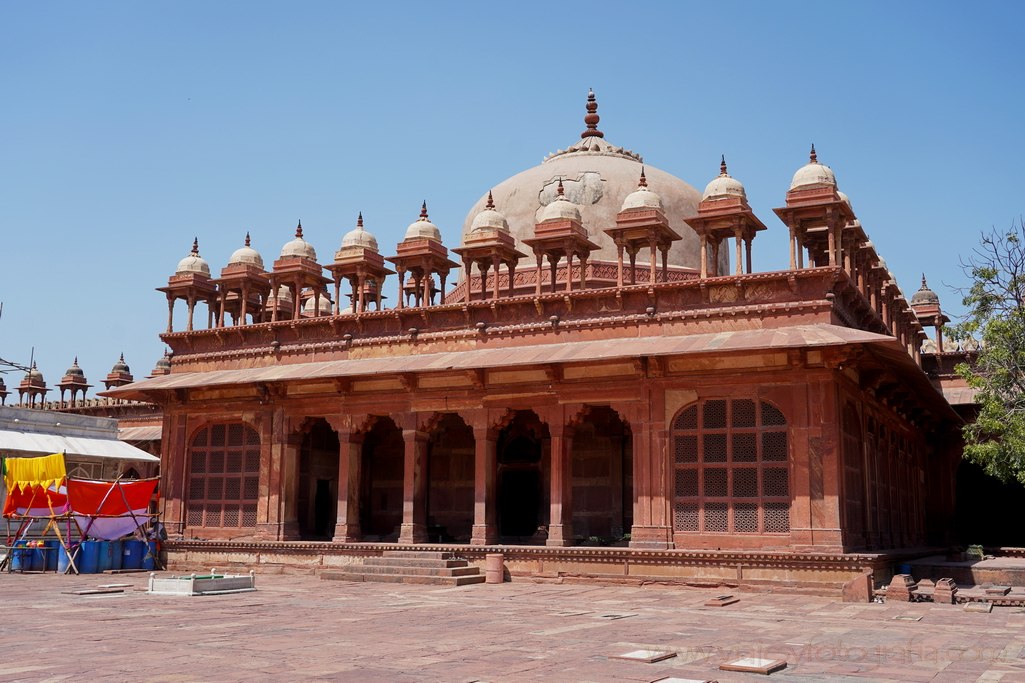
(44,471)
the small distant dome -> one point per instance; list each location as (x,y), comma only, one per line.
(490,218)
(299,246)
(929,346)
(359,237)
(284,293)
(642,197)
(724,186)
(813,174)
(120,366)
(925,295)
(324,308)
(968,344)
(164,363)
(422,227)
(246,255)
(34,374)
(845,199)
(74,370)
(193,263)
(561,208)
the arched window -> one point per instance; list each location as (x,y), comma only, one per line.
(731,471)
(224,477)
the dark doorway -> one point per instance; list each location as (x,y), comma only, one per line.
(602,478)
(523,479)
(450,492)
(988,510)
(318,482)
(383,455)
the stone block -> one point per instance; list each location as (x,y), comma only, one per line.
(902,588)
(945,592)
(858,589)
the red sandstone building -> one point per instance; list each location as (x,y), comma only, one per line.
(598,375)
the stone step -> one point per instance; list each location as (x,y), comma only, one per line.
(420,571)
(419,554)
(402,578)
(411,562)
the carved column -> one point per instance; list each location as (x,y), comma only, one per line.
(560,528)
(414,508)
(652,528)
(173,461)
(485,510)
(347,529)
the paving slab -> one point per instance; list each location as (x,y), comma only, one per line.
(302,628)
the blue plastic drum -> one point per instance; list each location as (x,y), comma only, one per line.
(132,552)
(88,559)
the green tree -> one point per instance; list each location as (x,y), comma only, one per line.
(995,317)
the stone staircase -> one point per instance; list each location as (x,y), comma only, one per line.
(410,566)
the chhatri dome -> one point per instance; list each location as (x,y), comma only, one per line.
(642,197)
(360,237)
(490,218)
(422,227)
(299,246)
(561,209)
(246,255)
(193,263)
(724,186)
(924,295)
(597,177)
(813,174)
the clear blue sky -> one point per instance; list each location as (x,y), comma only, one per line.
(126,129)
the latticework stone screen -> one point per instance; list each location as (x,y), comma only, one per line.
(731,468)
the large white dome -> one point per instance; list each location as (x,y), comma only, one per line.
(597,177)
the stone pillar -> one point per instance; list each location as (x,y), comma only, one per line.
(704,255)
(560,526)
(619,261)
(485,509)
(652,527)
(350,446)
(653,258)
(270,468)
(289,492)
(414,508)
(173,461)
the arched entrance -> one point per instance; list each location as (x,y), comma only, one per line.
(317,497)
(523,479)
(602,469)
(380,514)
(450,455)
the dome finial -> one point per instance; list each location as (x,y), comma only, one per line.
(643,182)
(560,189)
(359,220)
(722,166)
(299,230)
(423,211)
(813,158)
(491,201)
(195,246)
(247,238)
(591,118)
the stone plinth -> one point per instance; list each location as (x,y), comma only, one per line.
(902,588)
(945,592)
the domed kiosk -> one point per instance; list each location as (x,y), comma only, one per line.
(597,177)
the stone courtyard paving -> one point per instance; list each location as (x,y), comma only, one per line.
(301,628)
